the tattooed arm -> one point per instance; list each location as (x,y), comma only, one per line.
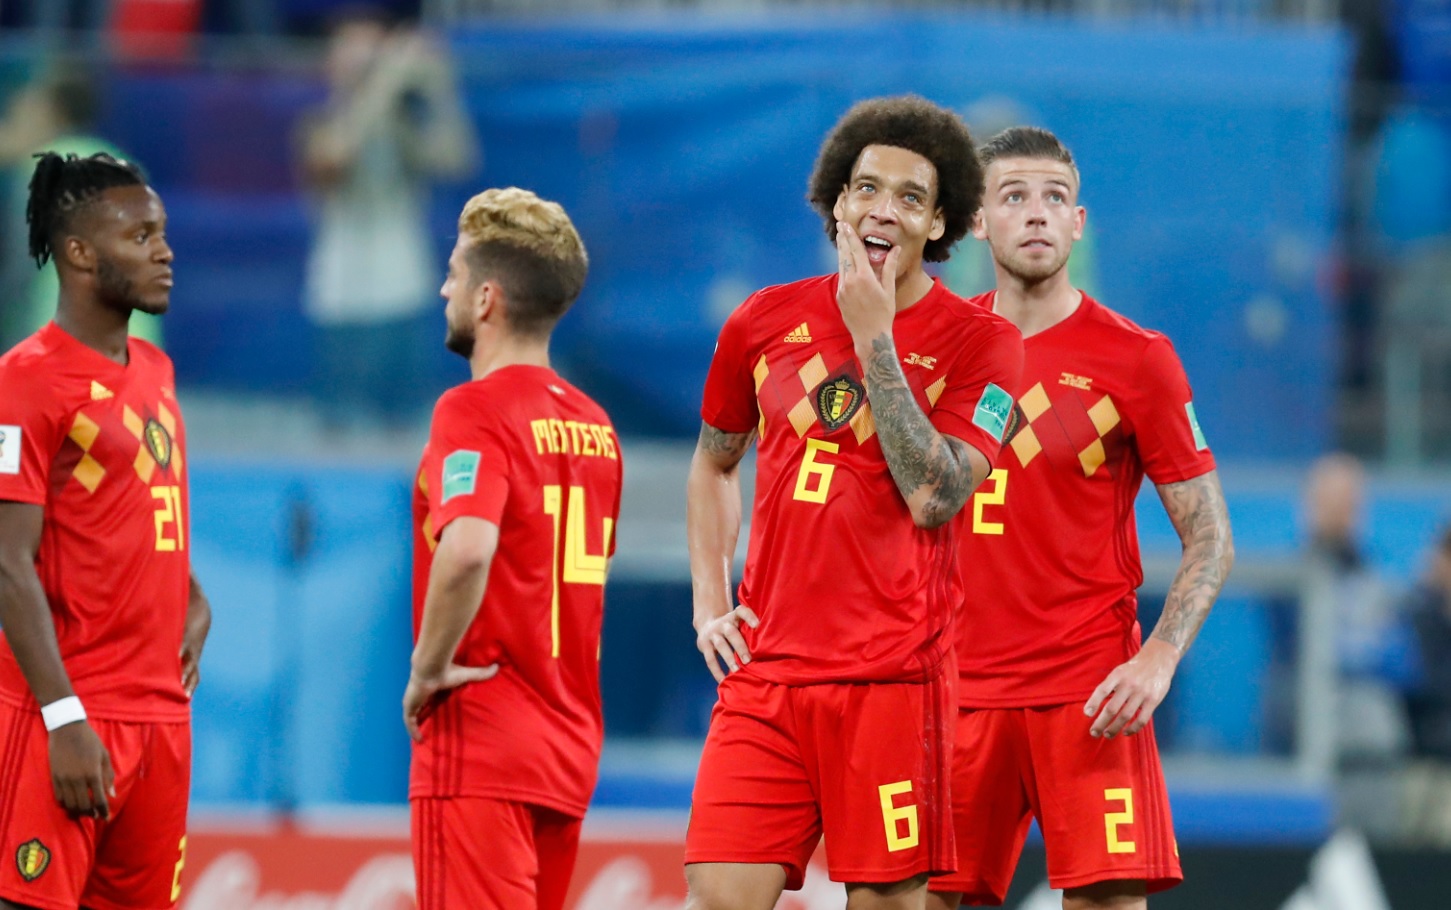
(713,524)
(1198,511)
(934,473)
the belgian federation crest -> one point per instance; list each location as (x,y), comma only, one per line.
(32,859)
(1016,421)
(838,400)
(158,442)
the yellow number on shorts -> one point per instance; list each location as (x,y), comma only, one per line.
(892,815)
(581,567)
(176,877)
(999,479)
(168,512)
(811,467)
(1111,820)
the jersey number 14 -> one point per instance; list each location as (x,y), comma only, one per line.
(580,566)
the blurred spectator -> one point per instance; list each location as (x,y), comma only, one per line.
(54,113)
(392,122)
(1428,792)
(1429,606)
(1372,649)
(1372,641)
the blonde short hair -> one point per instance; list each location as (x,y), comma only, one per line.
(531,248)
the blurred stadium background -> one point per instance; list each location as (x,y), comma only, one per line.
(1268,181)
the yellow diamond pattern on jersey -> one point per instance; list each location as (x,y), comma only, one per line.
(88,472)
(1035,403)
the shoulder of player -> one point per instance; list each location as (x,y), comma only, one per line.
(973,319)
(1106,319)
(785,296)
(41,371)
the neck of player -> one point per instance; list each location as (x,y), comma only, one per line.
(507,351)
(99,327)
(1036,306)
(911,287)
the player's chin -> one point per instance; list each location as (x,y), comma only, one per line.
(155,305)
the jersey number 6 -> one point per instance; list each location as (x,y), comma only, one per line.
(581,567)
(821,470)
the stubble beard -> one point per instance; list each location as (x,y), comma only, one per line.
(118,292)
(460,343)
(1029,274)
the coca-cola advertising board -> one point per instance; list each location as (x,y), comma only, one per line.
(624,864)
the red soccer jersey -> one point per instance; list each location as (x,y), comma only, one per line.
(100,446)
(847,588)
(529,452)
(1050,552)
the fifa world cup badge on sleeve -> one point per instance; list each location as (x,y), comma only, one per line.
(460,474)
(992,410)
(9,449)
(1200,442)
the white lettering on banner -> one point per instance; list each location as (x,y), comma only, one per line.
(626,884)
(233,881)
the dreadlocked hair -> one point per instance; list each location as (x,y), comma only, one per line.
(64,186)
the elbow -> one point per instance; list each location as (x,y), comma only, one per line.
(933,514)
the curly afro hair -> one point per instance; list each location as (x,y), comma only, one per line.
(913,123)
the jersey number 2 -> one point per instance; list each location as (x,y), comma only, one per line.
(580,566)
(985,497)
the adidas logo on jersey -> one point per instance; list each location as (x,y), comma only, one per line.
(799,335)
(100,392)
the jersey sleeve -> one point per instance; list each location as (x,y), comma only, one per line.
(30,435)
(729,402)
(467,465)
(977,406)
(1170,443)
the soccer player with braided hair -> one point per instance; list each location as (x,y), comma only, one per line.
(877,401)
(103,622)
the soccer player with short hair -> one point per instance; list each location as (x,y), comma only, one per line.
(514,515)
(1055,692)
(878,400)
(103,621)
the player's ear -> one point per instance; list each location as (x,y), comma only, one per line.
(838,211)
(77,253)
(979,225)
(939,226)
(487,299)
(1080,221)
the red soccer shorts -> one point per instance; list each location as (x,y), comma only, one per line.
(865,763)
(491,854)
(1101,803)
(132,862)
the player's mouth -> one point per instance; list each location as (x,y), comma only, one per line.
(1034,244)
(165,280)
(877,248)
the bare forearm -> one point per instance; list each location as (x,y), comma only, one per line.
(934,476)
(713,518)
(713,526)
(30,630)
(1198,511)
(455,594)
(198,609)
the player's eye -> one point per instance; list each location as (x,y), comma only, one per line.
(865,188)
(1013,197)
(1055,197)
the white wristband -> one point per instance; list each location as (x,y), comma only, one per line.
(64,711)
